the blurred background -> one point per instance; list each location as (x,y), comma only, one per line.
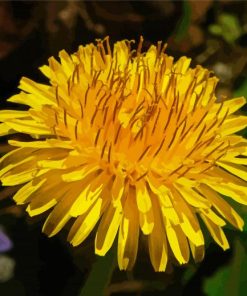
(213,34)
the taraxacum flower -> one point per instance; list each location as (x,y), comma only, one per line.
(134,141)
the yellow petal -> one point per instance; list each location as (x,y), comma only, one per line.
(23,164)
(238,170)
(59,216)
(170,214)
(165,199)
(47,195)
(157,186)
(17,171)
(232,105)
(51,164)
(217,233)
(213,217)
(194,235)
(42,209)
(178,243)
(236,140)
(182,65)
(26,99)
(46,70)
(67,64)
(147,222)
(235,191)
(233,125)
(188,220)
(157,243)
(89,194)
(14,156)
(5,130)
(85,224)
(23,177)
(40,91)
(222,207)
(192,197)
(234,160)
(117,190)
(198,252)
(143,199)
(79,174)
(48,143)
(55,222)
(22,195)
(128,235)
(57,75)
(12,114)
(29,127)
(107,230)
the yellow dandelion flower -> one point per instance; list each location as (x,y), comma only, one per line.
(133,141)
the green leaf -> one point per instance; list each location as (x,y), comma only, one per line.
(189,273)
(242,90)
(215,29)
(217,284)
(227,26)
(231,279)
(184,23)
(100,275)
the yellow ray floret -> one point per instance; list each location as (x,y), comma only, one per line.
(130,141)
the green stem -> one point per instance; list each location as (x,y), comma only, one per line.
(100,275)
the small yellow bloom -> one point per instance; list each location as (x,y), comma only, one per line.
(130,140)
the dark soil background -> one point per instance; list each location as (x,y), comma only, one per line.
(213,34)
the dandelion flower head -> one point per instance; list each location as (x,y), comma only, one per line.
(129,143)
